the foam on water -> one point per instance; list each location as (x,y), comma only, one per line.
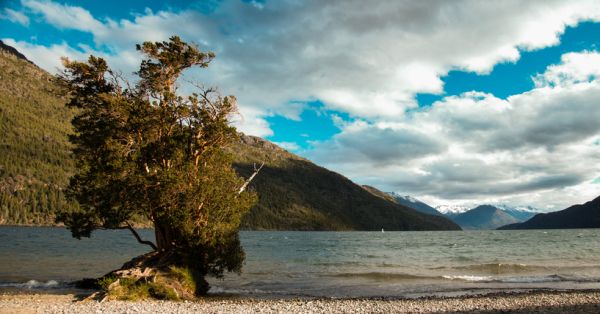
(33,284)
(468,278)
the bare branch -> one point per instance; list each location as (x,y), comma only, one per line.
(256,170)
(138,238)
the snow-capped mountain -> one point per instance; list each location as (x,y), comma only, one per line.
(414,203)
(522,213)
(452,209)
(483,217)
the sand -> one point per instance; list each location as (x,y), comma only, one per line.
(521,302)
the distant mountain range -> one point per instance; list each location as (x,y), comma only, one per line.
(452,209)
(483,217)
(479,217)
(294,193)
(577,216)
(521,213)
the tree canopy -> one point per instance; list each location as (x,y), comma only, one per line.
(145,150)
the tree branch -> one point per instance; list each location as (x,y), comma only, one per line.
(256,170)
(138,238)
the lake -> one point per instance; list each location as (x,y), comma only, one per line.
(331,264)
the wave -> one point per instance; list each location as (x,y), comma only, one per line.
(521,279)
(381,276)
(33,284)
(497,268)
(516,279)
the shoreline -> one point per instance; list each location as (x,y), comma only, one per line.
(532,301)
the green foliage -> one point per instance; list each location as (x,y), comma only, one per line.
(35,162)
(146,151)
(187,276)
(105,282)
(135,290)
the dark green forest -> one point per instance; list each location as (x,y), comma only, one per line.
(35,162)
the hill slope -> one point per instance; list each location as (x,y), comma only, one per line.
(520,213)
(577,216)
(294,193)
(416,204)
(406,201)
(34,152)
(483,217)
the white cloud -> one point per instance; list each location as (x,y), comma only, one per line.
(65,16)
(15,16)
(48,58)
(369,60)
(537,148)
(574,68)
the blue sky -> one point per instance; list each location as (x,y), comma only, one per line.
(453,102)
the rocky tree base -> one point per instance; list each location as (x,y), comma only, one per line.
(149,276)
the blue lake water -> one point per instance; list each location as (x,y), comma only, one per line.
(332,264)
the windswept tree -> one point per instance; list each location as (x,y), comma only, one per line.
(146,151)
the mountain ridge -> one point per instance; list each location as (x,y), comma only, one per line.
(327,197)
(483,217)
(415,204)
(585,215)
(11,50)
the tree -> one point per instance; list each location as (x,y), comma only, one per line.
(145,151)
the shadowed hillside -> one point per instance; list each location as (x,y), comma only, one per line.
(296,194)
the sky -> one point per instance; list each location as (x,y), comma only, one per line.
(452,102)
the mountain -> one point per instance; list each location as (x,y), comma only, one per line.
(294,194)
(451,209)
(577,216)
(483,217)
(415,204)
(521,213)
(35,164)
(380,193)
(407,201)
(8,50)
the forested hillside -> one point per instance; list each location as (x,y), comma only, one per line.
(294,193)
(34,152)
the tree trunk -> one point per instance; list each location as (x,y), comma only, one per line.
(163,237)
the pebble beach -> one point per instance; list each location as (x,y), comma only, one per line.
(521,302)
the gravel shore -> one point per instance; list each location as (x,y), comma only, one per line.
(531,302)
